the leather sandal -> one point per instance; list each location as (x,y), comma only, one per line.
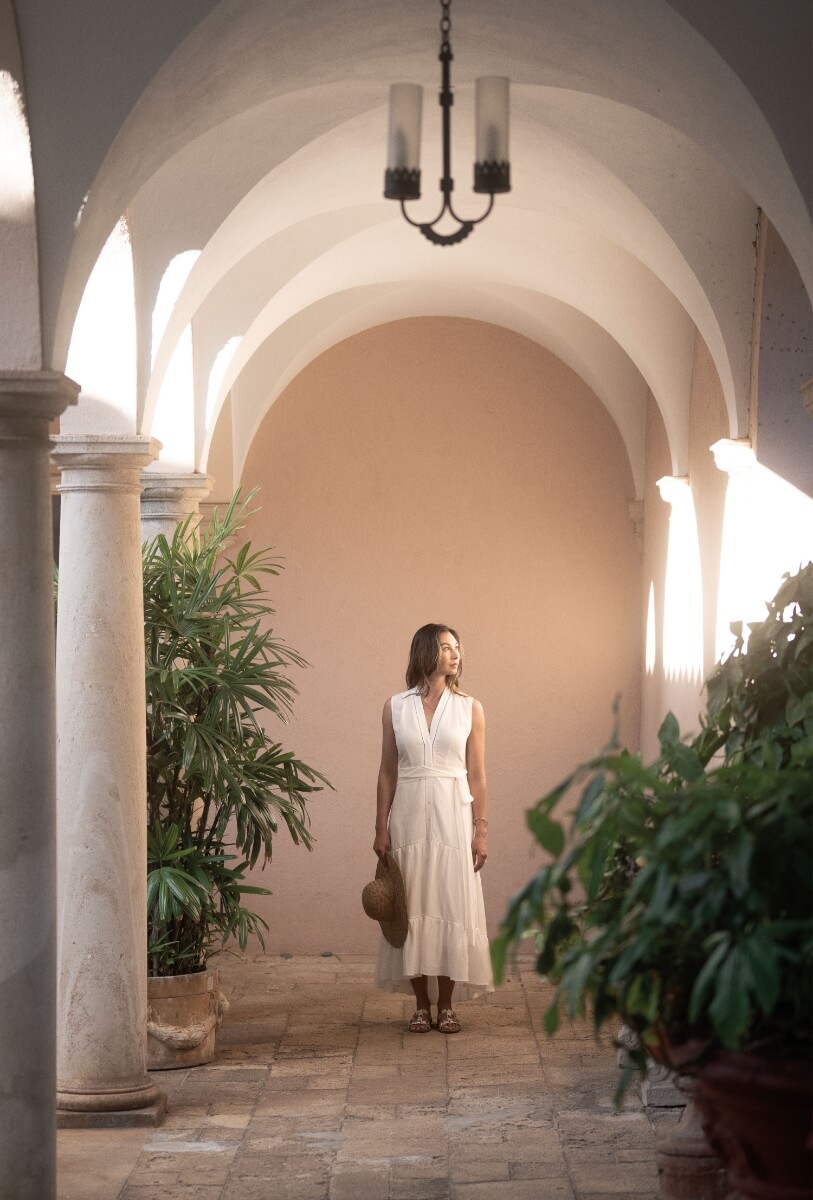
(448,1021)
(420,1021)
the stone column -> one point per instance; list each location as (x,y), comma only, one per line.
(101,787)
(167,500)
(29,400)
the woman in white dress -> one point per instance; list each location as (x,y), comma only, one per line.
(431,817)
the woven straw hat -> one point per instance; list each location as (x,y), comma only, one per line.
(385,901)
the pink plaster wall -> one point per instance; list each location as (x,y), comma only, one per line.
(442,470)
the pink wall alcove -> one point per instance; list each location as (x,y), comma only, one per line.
(441,469)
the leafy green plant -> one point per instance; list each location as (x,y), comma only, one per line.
(217,782)
(680,897)
(760,698)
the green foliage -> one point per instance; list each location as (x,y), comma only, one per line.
(217,783)
(680,897)
(760,698)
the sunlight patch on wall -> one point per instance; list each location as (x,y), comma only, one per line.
(651,640)
(174,423)
(767,531)
(217,374)
(102,353)
(170,288)
(16,174)
(683,601)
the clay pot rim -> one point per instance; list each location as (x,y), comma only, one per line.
(194,982)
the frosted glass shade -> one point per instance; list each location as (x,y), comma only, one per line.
(403,176)
(491,169)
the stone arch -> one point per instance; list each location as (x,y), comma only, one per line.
(371,42)
(20,343)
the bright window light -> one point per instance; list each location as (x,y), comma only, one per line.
(169,290)
(650,631)
(174,423)
(217,374)
(102,353)
(16,176)
(683,601)
(767,531)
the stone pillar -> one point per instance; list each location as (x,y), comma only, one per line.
(29,400)
(167,500)
(101,787)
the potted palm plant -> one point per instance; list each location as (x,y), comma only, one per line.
(680,899)
(218,782)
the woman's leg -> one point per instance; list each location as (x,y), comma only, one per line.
(420,986)
(421,1021)
(447,1020)
(445,989)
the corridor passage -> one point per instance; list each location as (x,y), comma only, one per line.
(318,1093)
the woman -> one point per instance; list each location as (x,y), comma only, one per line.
(431,816)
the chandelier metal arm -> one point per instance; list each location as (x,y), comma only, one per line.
(402,180)
(446,100)
(428,230)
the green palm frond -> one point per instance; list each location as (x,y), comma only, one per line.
(218,784)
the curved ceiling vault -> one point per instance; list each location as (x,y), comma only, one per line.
(630,222)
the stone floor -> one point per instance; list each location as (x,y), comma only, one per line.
(318,1093)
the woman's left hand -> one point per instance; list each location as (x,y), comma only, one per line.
(479,850)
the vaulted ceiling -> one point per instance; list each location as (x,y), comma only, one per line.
(249,138)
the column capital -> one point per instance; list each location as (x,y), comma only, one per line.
(733,454)
(102,461)
(159,485)
(169,498)
(37,395)
(673,487)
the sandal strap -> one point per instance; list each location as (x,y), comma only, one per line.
(421,1017)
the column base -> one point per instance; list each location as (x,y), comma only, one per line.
(108,1099)
(122,1118)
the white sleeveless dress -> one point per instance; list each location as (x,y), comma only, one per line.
(430,829)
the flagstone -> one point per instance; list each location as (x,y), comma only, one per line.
(318,1092)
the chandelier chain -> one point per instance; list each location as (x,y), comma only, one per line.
(445,23)
(403,183)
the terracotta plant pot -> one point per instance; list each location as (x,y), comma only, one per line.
(183,1015)
(758,1115)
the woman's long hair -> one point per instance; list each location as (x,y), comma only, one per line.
(424,656)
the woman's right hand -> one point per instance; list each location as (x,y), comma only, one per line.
(382,844)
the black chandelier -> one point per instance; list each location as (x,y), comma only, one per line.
(492,170)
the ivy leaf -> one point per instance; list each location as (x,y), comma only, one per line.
(730,1009)
(551,1021)
(763,961)
(705,979)
(669,732)
(549,833)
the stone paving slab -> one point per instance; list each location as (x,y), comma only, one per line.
(317,1092)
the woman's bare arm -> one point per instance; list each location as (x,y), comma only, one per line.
(387,781)
(476,768)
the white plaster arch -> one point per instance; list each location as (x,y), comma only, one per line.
(573,337)
(561,260)
(638,52)
(572,186)
(103,349)
(20,342)
(709,274)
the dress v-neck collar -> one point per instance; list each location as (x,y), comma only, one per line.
(432,725)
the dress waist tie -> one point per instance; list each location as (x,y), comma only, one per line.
(460,777)
(464,796)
